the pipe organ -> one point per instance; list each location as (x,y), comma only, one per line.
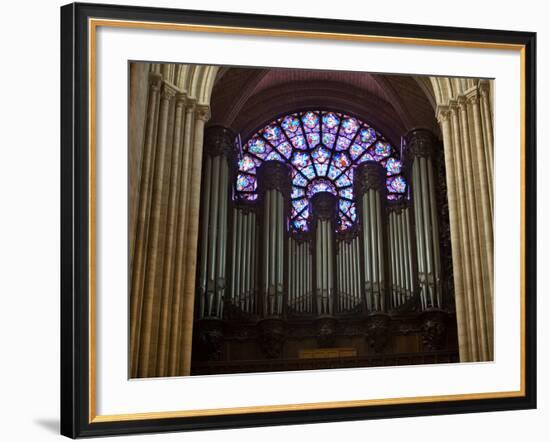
(324,205)
(400,251)
(370,188)
(348,275)
(253,266)
(300,270)
(275,188)
(420,148)
(244,260)
(214,198)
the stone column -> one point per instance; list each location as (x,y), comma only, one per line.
(323,226)
(139,258)
(201,116)
(420,147)
(464,340)
(169,298)
(152,277)
(181,255)
(274,184)
(370,190)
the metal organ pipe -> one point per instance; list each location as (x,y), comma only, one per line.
(420,144)
(218,149)
(370,188)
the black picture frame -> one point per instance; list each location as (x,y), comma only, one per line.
(75,219)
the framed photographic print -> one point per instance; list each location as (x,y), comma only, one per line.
(279,220)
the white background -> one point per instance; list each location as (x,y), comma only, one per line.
(29,223)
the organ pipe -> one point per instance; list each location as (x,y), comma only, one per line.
(218,151)
(420,145)
(369,187)
(324,210)
(275,184)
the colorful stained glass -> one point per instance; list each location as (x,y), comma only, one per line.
(346,193)
(309,171)
(256,146)
(341,160)
(273,133)
(344,205)
(321,169)
(248,196)
(394,196)
(355,151)
(330,122)
(320,155)
(320,185)
(290,123)
(299,204)
(299,142)
(338,144)
(396,184)
(328,139)
(349,127)
(313,139)
(382,149)
(342,143)
(346,179)
(300,224)
(299,180)
(285,149)
(333,172)
(297,192)
(248,164)
(367,135)
(246,182)
(311,121)
(393,166)
(345,223)
(274,156)
(301,159)
(366,157)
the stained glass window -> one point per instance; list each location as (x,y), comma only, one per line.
(322,149)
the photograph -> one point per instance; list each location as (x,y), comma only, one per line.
(321,219)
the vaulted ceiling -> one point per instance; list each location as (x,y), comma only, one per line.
(244,99)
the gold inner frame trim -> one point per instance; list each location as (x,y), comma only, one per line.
(93,24)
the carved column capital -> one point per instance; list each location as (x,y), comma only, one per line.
(155,81)
(168,91)
(420,143)
(484,87)
(442,113)
(181,99)
(397,206)
(472,96)
(369,175)
(219,140)
(324,205)
(274,175)
(202,112)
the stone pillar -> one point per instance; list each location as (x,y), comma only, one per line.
(153,262)
(323,226)
(464,125)
(139,258)
(464,341)
(201,116)
(370,191)
(420,148)
(274,184)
